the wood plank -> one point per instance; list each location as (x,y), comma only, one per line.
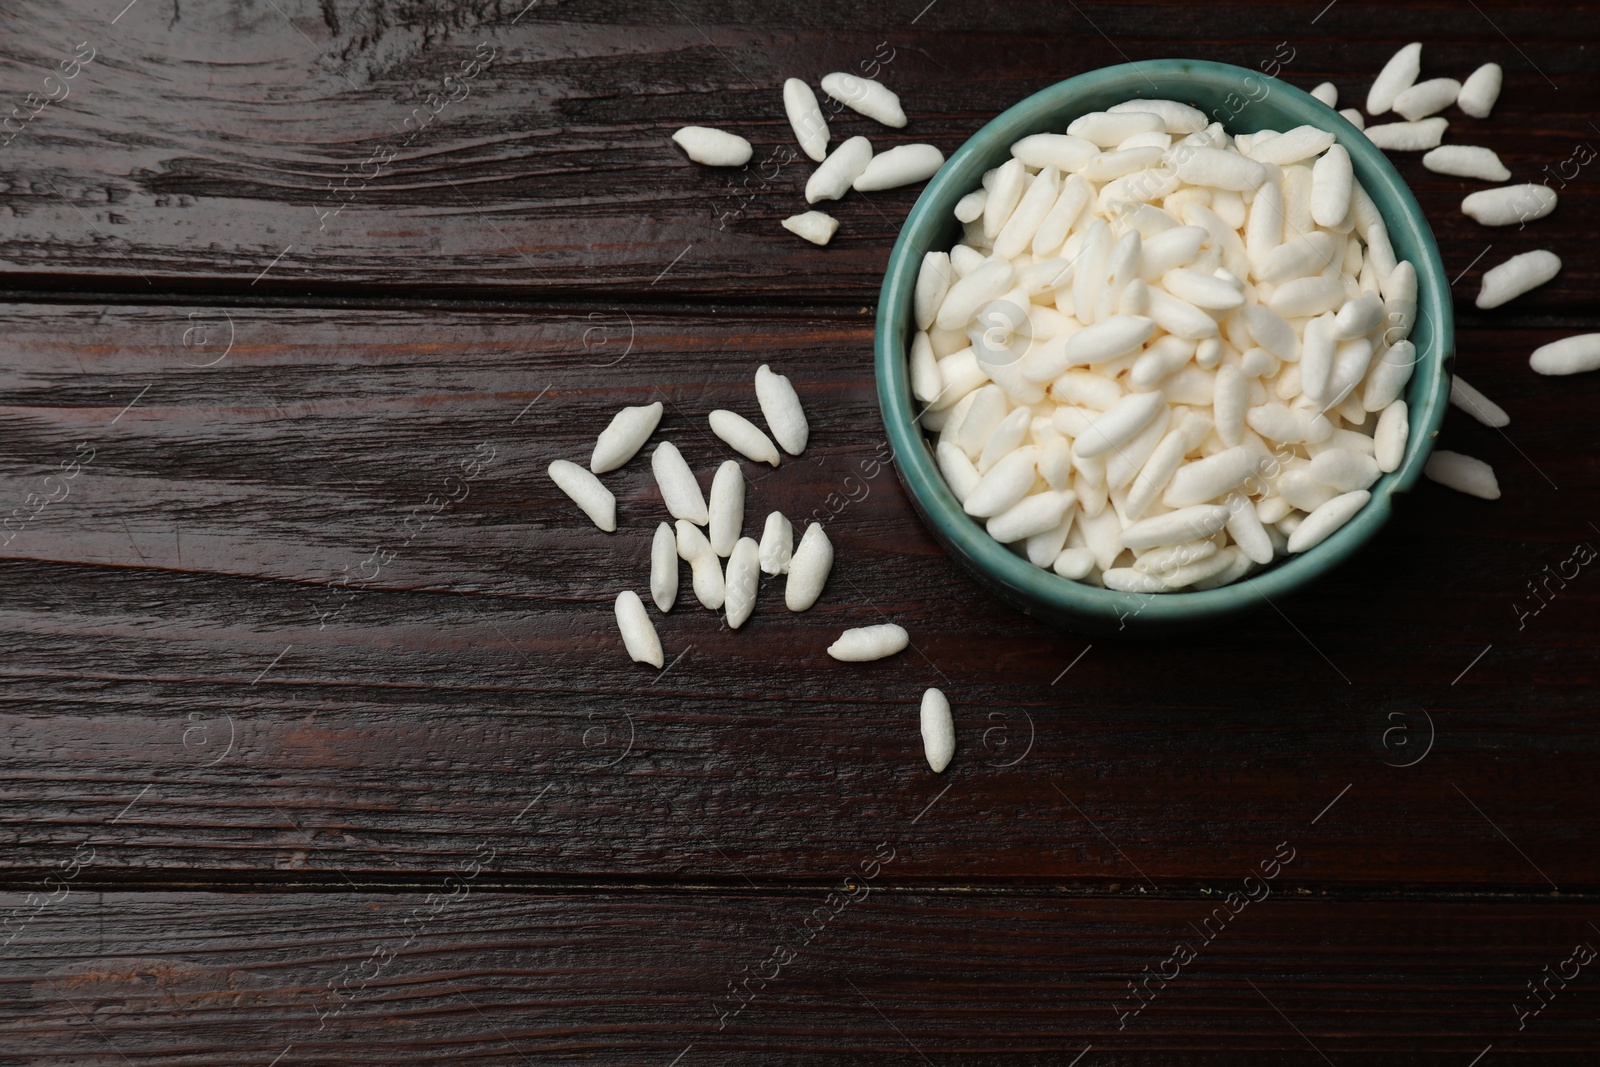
(281,148)
(210,671)
(878,977)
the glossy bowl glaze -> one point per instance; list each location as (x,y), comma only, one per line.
(1244,101)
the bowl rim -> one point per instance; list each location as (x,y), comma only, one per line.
(1041,591)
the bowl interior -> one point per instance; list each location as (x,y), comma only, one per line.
(1244,101)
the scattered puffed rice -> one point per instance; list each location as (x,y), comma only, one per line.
(1570,355)
(1328,93)
(1463,473)
(864,643)
(638,634)
(714,148)
(938,730)
(586,492)
(1516,276)
(818,227)
(1466,161)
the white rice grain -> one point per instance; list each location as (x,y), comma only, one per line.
(1463,473)
(638,634)
(585,489)
(1517,275)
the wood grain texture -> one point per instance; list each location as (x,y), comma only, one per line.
(288,601)
(293,147)
(278,623)
(463,976)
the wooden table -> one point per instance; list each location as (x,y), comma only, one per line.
(319,744)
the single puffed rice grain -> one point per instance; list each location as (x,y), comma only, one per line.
(957,470)
(1408,136)
(743,576)
(938,730)
(777,544)
(1426,98)
(1319,524)
(865,643)
(1474,403)
(805,117)
(680,492)
(1031,515)
(780,406)
(1058,150)
(933,282)
(1211,477)
(1389,439)
(586,491)
(834,175)
(1007,482)
(1480,91)
(1466,161)
(1517,275)
(1570,355)
(970,207)
(1397,75)
(818,227)
(714,148)
(1109,130)
(1331,180)
(1345,470)
(1119,425)
(638,634)
(745,437)
(901,165)
(867,97)
(726,509)
(664,568)
(1510,203)
(1175,527)
(1178,117)
(1463,473)
(1129,580)
(622,438)
(705,568)
(808,569)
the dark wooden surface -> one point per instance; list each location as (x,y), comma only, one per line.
(278,666)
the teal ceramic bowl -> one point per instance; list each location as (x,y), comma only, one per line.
(1245,101)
